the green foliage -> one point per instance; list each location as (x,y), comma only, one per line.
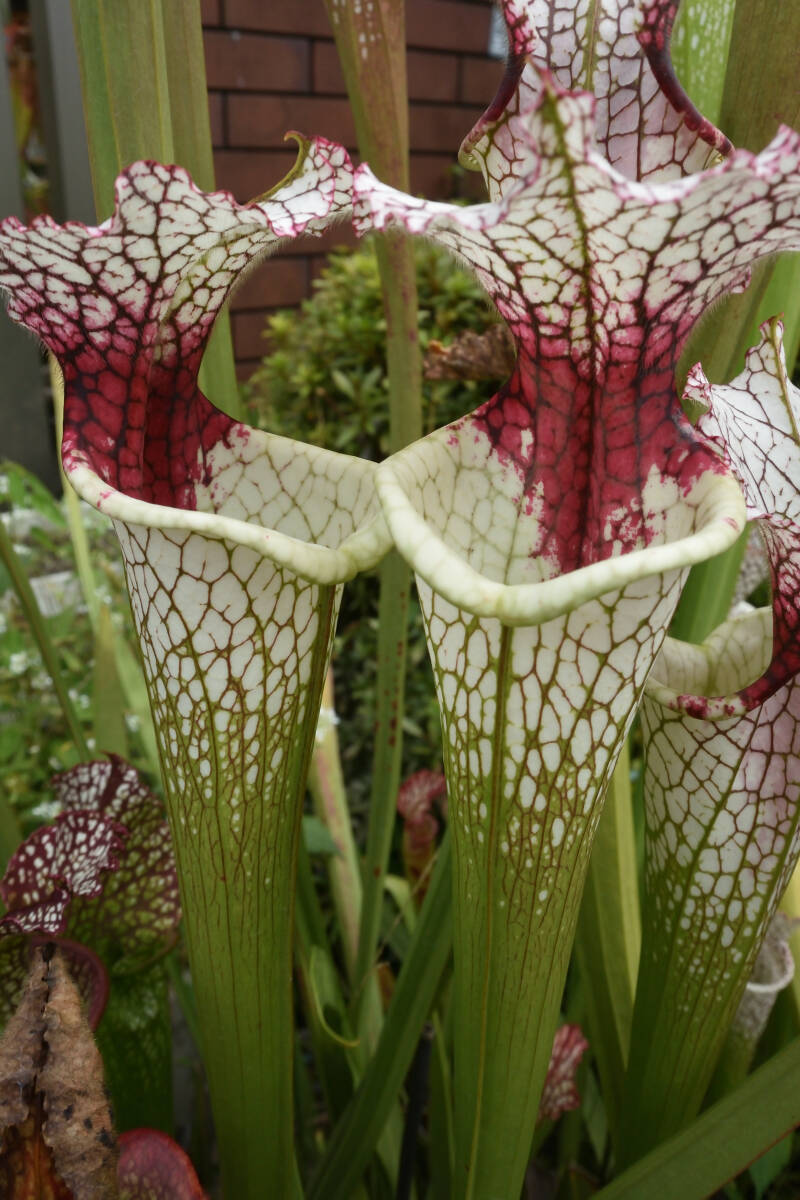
(135,1039)
(325,382)
(35,741)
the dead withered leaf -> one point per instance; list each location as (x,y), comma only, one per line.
(487,355)
(56,1135)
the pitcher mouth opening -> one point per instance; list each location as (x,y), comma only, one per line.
(354,538)
(711,517)
(704,681)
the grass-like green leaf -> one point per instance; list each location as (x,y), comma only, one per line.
(110,735)
(357,1133)
(723,1141)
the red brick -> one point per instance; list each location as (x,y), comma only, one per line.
(480,78)
(437,24)
(263,120)
(317,265)
(248,328)
(215,109)
(448,25)
(245,367)
(258,63)
(276,282)
(250,175)
(440,127)
(278,16)
(209,12)
(441,177)
(432,175)
(340,236)
(326,72)
(430,76)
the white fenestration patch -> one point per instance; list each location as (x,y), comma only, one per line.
(722,816)
(552,721)
(227,670)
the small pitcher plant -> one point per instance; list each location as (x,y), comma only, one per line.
(550,533)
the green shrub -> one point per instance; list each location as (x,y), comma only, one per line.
(325,382)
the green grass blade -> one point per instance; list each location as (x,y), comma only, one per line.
(723,1141)
(356,1135)
(122,55)
(108,700)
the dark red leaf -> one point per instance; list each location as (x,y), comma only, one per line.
(154,1167)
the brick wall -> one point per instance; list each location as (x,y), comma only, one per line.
(272,66)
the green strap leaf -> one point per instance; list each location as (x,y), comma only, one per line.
(122,54)
(357,1133)
(110,735)
(320,974)
(723,1141)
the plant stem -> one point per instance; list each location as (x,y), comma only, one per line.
(370,40)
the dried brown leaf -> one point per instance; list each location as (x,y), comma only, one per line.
(56,1135)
